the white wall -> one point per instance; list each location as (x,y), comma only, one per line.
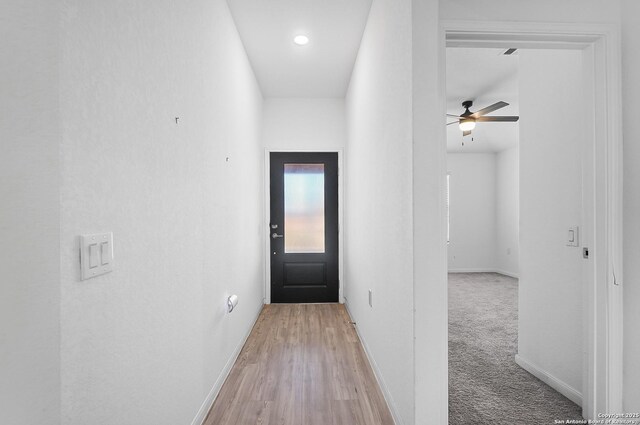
(472,212)
(146,343)
(507,212)
(29,215)
(631,94)
(304,123)
(429,172)
(550,333)
(378,210)
(484,212)
(539,11)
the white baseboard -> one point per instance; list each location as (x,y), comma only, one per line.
(555,383)
(476,270)
(504,272)
(376,371)
(217,386)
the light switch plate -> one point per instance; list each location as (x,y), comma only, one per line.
(96,254)
(572,236)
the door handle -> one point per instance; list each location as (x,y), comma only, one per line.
(274,235)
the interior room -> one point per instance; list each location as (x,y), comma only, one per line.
(138,239)
(515,185)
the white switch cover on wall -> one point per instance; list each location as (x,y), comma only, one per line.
(572,236)
(96,254)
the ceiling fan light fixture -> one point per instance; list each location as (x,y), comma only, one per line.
(467,124)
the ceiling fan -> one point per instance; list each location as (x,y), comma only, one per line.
(467,120)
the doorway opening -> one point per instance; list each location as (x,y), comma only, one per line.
(515,283)
(579,212)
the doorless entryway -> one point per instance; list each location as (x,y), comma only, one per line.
(303,227)
(602,319)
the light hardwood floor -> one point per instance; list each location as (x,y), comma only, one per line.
(303,364)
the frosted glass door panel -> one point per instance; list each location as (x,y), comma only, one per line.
(303,208)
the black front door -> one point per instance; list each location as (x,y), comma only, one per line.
(304,227)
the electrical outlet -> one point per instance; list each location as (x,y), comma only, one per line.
(370,298)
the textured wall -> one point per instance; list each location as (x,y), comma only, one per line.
(539,11)
(378,209)
(631,93)
(146,343)
(550,315)
(304,123)
(472,211)
(508,211)
(29,214)
(429,217)
(484,205)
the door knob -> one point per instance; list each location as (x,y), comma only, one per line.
(274,235)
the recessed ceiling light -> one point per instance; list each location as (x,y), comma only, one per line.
(301,40)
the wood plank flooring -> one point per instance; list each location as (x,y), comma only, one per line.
(303,364)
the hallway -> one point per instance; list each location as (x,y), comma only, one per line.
(135,193)
(302,364)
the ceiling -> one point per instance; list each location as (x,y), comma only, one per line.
(323,67)
(484,76)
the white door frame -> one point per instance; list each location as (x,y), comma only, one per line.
(602,380)
(267,214)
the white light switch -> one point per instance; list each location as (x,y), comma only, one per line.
(93,255)
(96,254)
(572,236)
(105,253)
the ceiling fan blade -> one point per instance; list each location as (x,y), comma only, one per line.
(497,119)
(491,108)
(454,122)
(466,133)
(452,115)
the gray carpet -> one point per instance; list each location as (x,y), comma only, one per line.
(486,386)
